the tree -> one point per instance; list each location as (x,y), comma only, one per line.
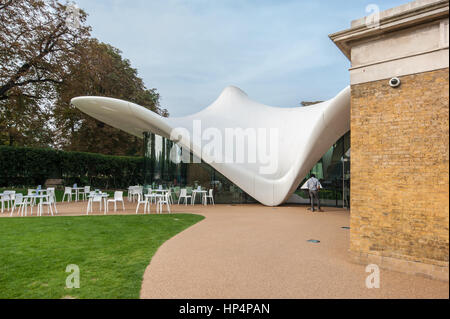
(47,58)
(25,124)
(37,41)
(100,71)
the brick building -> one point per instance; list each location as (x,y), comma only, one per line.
(400,137)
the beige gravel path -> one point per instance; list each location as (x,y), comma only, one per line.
(252,251)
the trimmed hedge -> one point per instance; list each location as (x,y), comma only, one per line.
(23,166)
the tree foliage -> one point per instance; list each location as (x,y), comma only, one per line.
(36,46)
(46,61)
(23,122)
(100,71)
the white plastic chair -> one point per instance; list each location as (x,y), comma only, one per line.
(48,201)
(152,196)
(83,193)
(136,191)
(4,199)
(130,188)
(184,195)
(165,199)
(94,198)
(118,197)
(209,196)
(8,198)
(145,202)
(68,192)
(19,201)
(172,191)
(52,198)
(74,193)
(32,192)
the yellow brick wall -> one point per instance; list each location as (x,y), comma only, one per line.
(400,168)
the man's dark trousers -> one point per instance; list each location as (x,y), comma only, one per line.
(314,195)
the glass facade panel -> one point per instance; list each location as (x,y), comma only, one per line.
(163,166)
(333,171)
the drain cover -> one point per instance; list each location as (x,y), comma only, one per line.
(345,227)
(315,241)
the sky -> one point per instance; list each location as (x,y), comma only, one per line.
(277,51)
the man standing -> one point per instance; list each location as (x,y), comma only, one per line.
(314,186)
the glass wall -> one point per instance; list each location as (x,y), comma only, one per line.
(163,166)
(160,168)
(333,171)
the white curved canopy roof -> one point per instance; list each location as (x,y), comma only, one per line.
(303,135)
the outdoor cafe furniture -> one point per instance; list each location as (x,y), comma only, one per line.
(3,199)
(163,200)
(129,193)
(35,199)
(194,193)
(135,191)
(158,193)
(7,197)
(47,200)
(176,192)
(97,197)
(144,201)
(84,191)
(208,196)
(184,195)
(151,195)
(21,203)
(33,194)
(118,197)
(171,193)
(51,198)
(68,192)
(76,191)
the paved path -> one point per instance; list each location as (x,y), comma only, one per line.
(253,251)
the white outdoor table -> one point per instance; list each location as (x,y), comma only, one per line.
(157,195)
(154,194)
(148,198)
(132,193)
(160,190)
(77,191)
(39,205)
(194,193)
(39,191)
(105,199)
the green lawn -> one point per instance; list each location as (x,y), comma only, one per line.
(111,252)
